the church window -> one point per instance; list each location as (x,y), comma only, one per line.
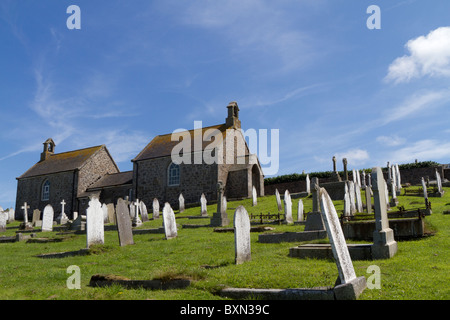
(46,191)
(173,174)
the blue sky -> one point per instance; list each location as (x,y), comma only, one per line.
(309,68)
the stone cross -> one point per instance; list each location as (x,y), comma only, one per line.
(181,203)
(63,203)
(242,235)
(334,164)
(169,222)
(384,245)
(136,220)
(254,196)
(62,218)
(337,240)
(220,217)
(124,227)
(300,210)
(47,219)
(277,196)
(288,207)
(203,202)
(344,161)
(95,231)
(155,208)
(25,208)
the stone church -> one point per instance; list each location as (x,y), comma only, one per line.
(211,154)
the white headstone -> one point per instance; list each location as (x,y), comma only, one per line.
(352,197)
(358,178)
(155,207)
(399,178)
(105,213)
(170,225)
(12,215)
(47,219)
(288,207)
(300,210)
(25,208)
(347,206)
(254,196)
(95,231)
(242,235)
(355,179)
(181,203)
(203,205)
(424,187)
(137,208)
(277,196)
(359,205)
(3,219)
(337,240)
(144,211)
(439,182)
(308,184)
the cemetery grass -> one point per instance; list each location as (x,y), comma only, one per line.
(419,270)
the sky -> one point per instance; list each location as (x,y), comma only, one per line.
(315,71)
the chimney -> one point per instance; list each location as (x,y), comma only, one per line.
(233,116)
(49,149)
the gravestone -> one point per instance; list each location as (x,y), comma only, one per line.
(314,221)
(394,200)
(124,227)
(348,283)
(425,191)
(220,218)
(439,184)
(181,203)
(277,196)
(47,219)
(386,195)
(3,220)
(144,211)
(384,246)
(242,235)
(358,178)
(12,215)
(136,208)
(36,216)
(111,213)
(95,230)
(359,205)
(344,162)
(398,179)
(308,184)
(254,196)
(363,179)
(368,199)
(288,207)
(352,197)
(25,208)
(169,222)
(62,218)
(203,203)
(105,213)
(355,180)
(300,210)
(347,207)
(155,207)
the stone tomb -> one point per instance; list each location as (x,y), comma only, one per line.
(169,222)
(242,235)
(47,219)
(347,286)
(124,227)
(95,229)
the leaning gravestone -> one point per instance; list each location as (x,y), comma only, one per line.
(170,225)
(155,209)
(124,227)
(95,228)
(47,219)
(277,195)
(384,246)
(439,184)
(203,206)
(242,235)
(144,212)
(347,209)
(425,191)
(254,196)
(3,219)
(288,207)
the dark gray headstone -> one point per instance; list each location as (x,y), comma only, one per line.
(124,227)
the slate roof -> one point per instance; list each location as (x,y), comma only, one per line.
(113,180)
(161,146)
(60,162)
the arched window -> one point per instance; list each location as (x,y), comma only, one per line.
(46,191)
(173,175)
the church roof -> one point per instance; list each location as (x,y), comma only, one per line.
(60,162)
(162,145)
(113,180)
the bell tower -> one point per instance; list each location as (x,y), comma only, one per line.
(232,121)
(49,149)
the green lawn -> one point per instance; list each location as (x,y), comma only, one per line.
(420,269)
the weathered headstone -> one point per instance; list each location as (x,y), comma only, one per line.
(308,184)
(220,218)
(355,180)
(95,230)
(363,179)
(47,219)
(144,211)
(254,196)
(359,205)
(347,206)
(111,213)
(386,194)
(3,220)
(181,203)
(358,178)
(352,197)
(36,216)
(384,245)
(155,207)
(344,162)
(368,199)
(203,205)
(277,196)
(12,215)
(124,227)
(25,208)
(300,209)
(288,207)
(242,235)
(339,247)
(136,220)
(314,219)
(439,183)
(169,222)
(105,213)
(425,191)
(394,200)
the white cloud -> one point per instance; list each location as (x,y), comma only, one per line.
(390,141)
(355,157)
(423,150)
(428,56)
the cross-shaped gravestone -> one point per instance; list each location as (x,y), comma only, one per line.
(220,218)
(62,218)
(63,203)
(136,220)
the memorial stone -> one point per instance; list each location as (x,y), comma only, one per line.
(288,207)
(123,220)
(242,235)
(95,230)
(155,207)
(170,225)
(47,219)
